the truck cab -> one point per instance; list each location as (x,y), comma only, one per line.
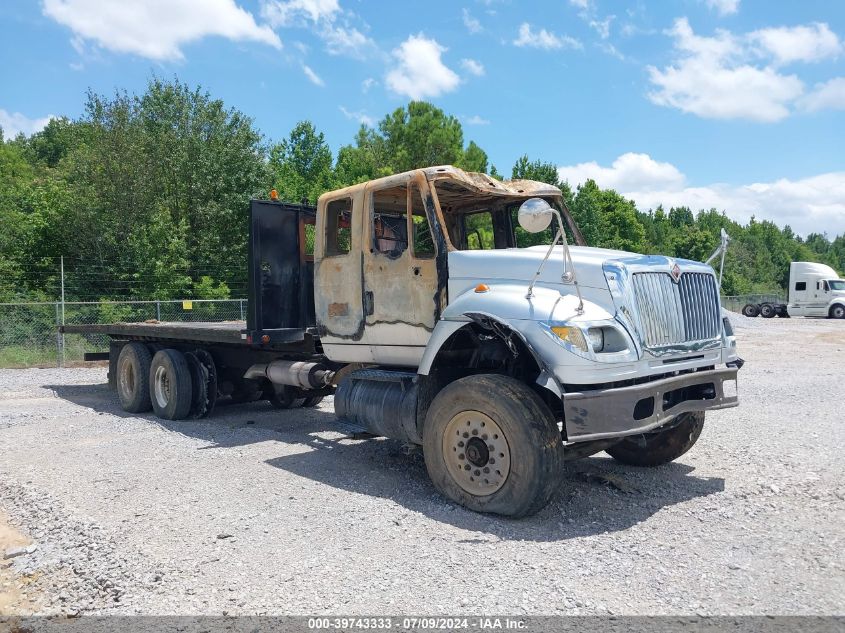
(420,287)
(815,291)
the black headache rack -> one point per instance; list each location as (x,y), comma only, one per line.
(280,312)
(281,273)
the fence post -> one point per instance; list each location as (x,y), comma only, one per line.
(62,334)
(242,309)
(58,337)
(158,310)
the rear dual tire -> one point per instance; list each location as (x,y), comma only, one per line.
(133,378)
(174,385)
(751,310)
(171,386)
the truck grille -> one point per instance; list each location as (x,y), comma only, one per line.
(672,314)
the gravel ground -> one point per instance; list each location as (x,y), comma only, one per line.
(265,512)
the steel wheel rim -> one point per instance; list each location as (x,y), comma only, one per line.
(476,453)
(838,312)
(162,387)
(126,376)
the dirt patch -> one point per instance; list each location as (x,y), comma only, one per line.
(13,601)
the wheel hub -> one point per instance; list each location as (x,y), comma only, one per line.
(162,387)
(476,453)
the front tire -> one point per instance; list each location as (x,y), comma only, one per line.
(492,445)
(837,312)
(662,447)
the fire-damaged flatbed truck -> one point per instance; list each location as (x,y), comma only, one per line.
(418,311)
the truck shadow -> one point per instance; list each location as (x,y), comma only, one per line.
(596,495)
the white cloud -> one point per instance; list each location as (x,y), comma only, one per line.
(368,83)
(814,204)
(361,117)
(602,27)
(473,67)
(312,76)
(723,7)
(798,43)
(544,39)
(829,95)
(580,4)
(14,123)
(346,40)
(326,19)
(712,79)
(290,12)
(629,171)
(420,71)
(472,24)
(476,120)
(156,29)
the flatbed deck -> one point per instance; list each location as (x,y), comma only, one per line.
(221,332)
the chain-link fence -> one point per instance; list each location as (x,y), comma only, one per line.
(29,334)
(736,302)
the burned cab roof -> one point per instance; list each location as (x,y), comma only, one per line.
(465,191)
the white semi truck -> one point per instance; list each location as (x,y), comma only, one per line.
(815,290)
(502,362)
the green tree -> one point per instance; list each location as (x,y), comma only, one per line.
(421,135)
(586,210)
(523,169)
(474,159)
(302,164)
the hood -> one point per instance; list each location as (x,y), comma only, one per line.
(520,264)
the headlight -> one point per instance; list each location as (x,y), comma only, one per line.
(571,335)
(596,336)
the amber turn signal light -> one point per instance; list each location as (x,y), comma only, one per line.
(274,195)
(482,288)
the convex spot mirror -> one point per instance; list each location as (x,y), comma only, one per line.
(535,215)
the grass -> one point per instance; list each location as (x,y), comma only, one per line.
(22,356)
(18,356)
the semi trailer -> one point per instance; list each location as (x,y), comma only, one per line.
(421,315)
(815,290)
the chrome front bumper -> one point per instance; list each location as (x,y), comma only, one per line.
(602,413)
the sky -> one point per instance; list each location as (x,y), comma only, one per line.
(737,105)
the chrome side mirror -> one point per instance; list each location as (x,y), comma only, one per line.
(535,215)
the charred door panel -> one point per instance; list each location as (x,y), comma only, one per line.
(400,270)
(338,299)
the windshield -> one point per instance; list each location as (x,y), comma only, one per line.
(479,222)
(837,284)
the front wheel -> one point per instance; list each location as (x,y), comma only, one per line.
(660,447)
(492,445)
(837,312)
